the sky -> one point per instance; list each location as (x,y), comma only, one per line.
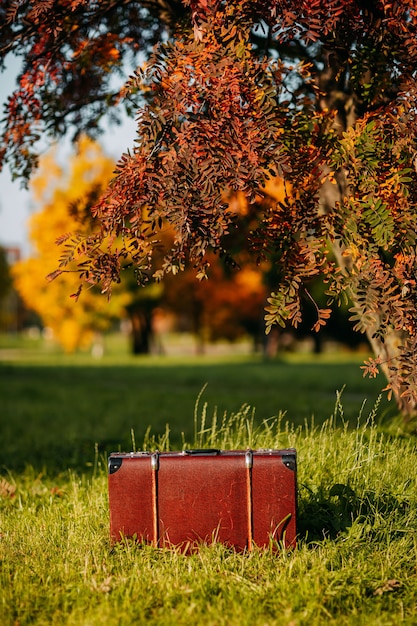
(14,213)
(15,203)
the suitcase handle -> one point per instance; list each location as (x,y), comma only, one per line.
(202,451)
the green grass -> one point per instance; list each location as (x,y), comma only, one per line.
(56,408)
(355,561)
(357,521)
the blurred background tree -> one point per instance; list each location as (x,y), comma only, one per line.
(227,307)
(63,197)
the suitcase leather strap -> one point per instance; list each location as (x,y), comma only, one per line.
(249,465)
(155,514)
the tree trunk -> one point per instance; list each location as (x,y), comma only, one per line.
(141,332)
(339,97)
(387,351)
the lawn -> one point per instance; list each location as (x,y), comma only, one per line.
(56,409)
(357,519)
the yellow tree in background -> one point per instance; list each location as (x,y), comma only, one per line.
(63,197)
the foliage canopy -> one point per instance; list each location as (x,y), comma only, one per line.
(320,93)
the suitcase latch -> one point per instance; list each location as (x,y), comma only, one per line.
(249,459)
(155,461)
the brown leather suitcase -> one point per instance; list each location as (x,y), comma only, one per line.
(237,497)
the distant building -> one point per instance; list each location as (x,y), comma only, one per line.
(13,254)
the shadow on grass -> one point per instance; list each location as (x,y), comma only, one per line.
(325,515)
